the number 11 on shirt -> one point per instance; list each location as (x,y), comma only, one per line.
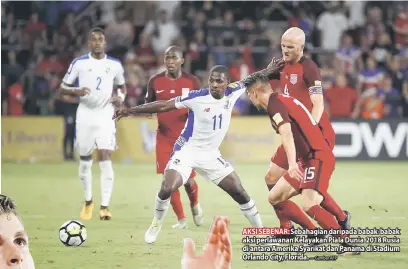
(215,121)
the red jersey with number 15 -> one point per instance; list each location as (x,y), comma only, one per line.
(307,135)
(160,87)
(296,79)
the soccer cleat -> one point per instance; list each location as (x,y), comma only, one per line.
(181,224)
(153,231)
(87,210)
(198,215)
(104,214)
(345,224)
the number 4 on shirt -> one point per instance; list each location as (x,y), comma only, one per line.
(215,121)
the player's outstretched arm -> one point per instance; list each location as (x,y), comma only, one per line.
(271,71)
(149,108)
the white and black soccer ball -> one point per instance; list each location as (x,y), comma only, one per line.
(73,233)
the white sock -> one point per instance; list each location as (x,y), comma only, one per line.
(251,213)
(85,177)
(107,179)
(160,208)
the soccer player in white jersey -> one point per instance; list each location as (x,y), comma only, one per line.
(197,147)
(97,74)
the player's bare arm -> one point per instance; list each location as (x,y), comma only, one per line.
(288,143)
(66,89)
(119,96)
(149,108)
(313,80)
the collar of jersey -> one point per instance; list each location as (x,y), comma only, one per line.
(90,57)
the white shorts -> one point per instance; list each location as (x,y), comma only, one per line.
(211,166)
(90,137)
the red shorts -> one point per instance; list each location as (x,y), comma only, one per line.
(281,160)
(317,173)
(164,149)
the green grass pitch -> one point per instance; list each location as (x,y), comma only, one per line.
(49,194)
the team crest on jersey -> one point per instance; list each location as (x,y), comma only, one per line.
(293,78)
(227,104)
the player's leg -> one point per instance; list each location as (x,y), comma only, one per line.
(163,151)
(231,184)
(343,217)
(107,181)
(191,188)
(85,141)
(220,172)
(175,175)
(106,144)
(286,208)
(282,192)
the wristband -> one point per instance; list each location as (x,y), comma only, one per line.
(121,95)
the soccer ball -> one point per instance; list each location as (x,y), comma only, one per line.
(72,233)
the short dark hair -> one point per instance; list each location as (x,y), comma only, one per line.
(96,30)
(175,49)
(221,69)
(255,78)
(7,205)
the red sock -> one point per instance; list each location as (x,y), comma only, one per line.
(175,202)
(295,214)
(324,218)
(283,219)
(193,193)
(330,205)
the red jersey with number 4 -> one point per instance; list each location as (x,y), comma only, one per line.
(307,135)
(160,87)
(296,79)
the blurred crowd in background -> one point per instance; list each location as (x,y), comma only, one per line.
(361,48)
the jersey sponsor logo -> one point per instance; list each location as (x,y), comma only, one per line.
(176,161)
(293,78)
(158,91)
(207,109)
(277,118)
(172,91)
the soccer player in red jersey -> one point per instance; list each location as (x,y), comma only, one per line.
(304,145)
(165,86)
(301,79)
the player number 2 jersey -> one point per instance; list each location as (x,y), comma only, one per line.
(100,76)
(208,118)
